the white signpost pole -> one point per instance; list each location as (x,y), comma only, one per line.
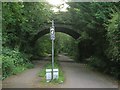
(52,73)
(52,31)
(52,57)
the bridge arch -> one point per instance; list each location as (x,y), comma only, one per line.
(64,28)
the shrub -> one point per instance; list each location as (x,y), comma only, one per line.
(14,62)
(29,65)
(18,69)
(113,50)
(97,62)
(7,66)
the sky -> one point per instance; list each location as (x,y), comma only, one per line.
(56,3)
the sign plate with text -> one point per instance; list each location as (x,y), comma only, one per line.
(52,33)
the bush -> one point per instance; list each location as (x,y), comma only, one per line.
(13,62)
(113,50)
(113,37)
(19,58)
(29,65)
(18,69)
(97,63)
(7,65)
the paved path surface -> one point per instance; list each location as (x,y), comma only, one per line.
(76,76)
(27,79)
(79,76)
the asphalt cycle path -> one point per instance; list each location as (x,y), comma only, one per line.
(76,76)
(27,79)
(81,76)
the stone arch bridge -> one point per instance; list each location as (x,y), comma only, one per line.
(59,27)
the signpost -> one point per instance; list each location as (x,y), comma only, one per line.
(52,34)
(52,73)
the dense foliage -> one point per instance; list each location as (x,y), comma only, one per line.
(66,44)
(42,46)
(113,50)
(14,62)
(20,21)
(99,25)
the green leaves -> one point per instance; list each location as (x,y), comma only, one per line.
(113,37)
(13,62)
(43,46)
(21,20)
(99,25)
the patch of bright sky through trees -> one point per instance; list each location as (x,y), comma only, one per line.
(58,5)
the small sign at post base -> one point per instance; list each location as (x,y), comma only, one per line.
(49,74)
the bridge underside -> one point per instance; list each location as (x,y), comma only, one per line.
(70,32)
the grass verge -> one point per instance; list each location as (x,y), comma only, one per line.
(42,73)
